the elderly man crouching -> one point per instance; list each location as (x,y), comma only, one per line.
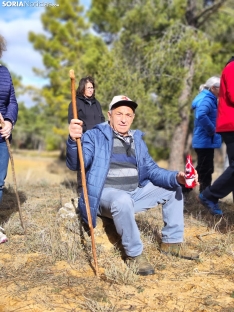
(123,179)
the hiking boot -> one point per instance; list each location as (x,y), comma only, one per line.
(213,208)
(142,265)
(178,250)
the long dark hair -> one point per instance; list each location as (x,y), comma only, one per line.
(81,88)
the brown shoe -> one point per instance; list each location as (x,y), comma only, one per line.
(178,250)
(143,267)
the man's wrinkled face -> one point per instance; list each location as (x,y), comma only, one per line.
(121,118)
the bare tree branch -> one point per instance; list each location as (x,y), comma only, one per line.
(198,20)
(202,17)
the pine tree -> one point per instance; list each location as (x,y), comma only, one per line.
(67,44)
(170,48)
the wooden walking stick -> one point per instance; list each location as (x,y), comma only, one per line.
(13,174)
(82,168)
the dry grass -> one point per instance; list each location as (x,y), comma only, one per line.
(50,268)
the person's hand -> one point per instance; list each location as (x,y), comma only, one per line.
(6,128)
(75,129)
(181,177)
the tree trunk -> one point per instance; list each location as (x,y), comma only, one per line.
(177,147)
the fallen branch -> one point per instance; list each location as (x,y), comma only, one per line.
(205,234)
(199,236)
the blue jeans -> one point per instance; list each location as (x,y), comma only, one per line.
(4,159)
(121,206)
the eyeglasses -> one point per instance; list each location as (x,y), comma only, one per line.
(89,88)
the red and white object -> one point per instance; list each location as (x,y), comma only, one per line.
(189,173)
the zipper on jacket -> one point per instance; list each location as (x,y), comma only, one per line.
(99,196)
(139,185)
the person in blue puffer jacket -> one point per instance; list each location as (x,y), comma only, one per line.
(9,112)
(123,179)
(205,140)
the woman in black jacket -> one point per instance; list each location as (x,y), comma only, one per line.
(88,108)
(89,111)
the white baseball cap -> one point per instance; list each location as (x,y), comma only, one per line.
(122,99)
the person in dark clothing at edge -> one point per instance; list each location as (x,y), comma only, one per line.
(88,108)
(123,179)
(225,126)
(89,111)
(9,113)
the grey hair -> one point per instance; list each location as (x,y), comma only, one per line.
(213,81)
(2,45)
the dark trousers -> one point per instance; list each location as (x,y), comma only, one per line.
(225,183)
(205,166)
